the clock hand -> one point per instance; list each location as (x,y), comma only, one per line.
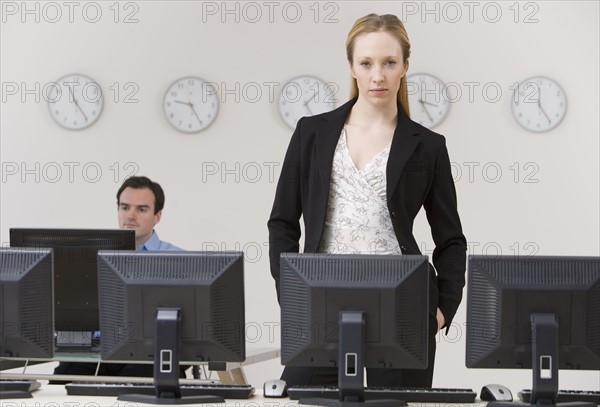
(543,111)
(195,114)
(307,101)
(310,98)
(77,104)
(425,109)
(426,103)
(191,105)
(540,106)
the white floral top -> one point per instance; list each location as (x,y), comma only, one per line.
(358,219)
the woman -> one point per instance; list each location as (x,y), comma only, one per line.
(360,174)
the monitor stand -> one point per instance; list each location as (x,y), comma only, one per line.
(166,364)
(351,367)
(544,365)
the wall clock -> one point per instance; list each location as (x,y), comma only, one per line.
(305,96)
(75,101)
(539,104)
(428,99)
(191,104)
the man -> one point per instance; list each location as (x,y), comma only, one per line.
(140,202)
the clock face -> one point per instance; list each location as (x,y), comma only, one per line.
(191,104)
(305,96)
(428,99)
(539,104)
(75,101)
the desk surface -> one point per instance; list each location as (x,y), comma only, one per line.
(56,396)
(41,372)
(253,355)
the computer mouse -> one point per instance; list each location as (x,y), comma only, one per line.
(275,388)
(495,392)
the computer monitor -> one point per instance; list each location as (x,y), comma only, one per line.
(75,275)
(354,311)
(535,312)
(26,308)
(170,307)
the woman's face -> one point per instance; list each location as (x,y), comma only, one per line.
(378,67)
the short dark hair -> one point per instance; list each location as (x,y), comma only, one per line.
(141,182)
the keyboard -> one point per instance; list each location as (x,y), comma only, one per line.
(17,389)
(19,385)
(567,396)
(411,395)
(227,391)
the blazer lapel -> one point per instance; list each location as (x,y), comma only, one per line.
(327,137)
(404,143)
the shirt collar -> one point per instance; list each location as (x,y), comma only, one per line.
(151,244)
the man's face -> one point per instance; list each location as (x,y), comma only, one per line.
(136,211)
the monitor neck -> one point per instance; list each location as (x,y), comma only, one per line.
(544,355)
(351,366)
(351,361)
(166,355)
(167,339)
(544,365)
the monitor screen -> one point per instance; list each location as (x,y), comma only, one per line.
(26,313)
(319,292)
(170,307)
(75,270)
(535,312)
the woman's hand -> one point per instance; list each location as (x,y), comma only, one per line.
(441,320)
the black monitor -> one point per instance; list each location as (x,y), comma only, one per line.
(26,307)
(75,274)
(536,312)
(169,307)
(351,312)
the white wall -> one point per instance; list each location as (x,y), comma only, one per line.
(557,213)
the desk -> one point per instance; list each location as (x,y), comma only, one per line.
(56,396)
(229,372)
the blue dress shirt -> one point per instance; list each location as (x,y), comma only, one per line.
(155,244)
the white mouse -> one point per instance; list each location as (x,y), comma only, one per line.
(495,392)
(275,388)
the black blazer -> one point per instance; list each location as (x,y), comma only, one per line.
(418,174)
